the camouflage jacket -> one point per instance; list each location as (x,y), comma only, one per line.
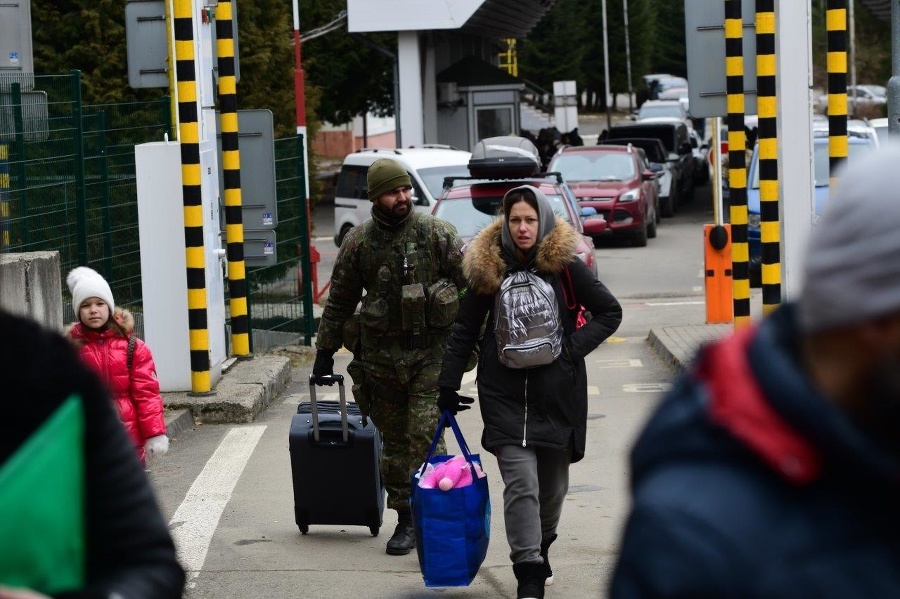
(380,261)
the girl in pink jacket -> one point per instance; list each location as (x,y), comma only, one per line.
(103,334)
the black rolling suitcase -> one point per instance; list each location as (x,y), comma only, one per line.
(334,464)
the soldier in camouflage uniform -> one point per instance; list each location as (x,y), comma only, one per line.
(409,265)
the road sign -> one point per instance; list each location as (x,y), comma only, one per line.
(145,42)
(704,24)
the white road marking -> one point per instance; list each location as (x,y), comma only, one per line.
(675,303)
(618,363)
(196,519)
(646,387)
(697,288)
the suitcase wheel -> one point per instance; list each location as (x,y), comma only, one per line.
(304,528)
(374,530)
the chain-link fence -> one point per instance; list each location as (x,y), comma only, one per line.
(67,184)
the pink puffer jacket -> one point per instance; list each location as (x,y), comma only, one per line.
(136,393)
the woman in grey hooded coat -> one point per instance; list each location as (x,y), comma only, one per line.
(535,419)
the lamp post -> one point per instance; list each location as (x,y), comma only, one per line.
(627,53)
(606,67)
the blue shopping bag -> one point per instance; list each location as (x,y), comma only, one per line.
(452,527)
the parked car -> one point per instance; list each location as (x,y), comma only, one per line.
(427,167)
(860,99)
(701,158)
(662,108)
(617,182)
(675,137)
(880,126)
(654,152)
(857,148)
(471,203)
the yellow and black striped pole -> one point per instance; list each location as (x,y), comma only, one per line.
(4,196)
(189,137)
(767,110)
(737,160)
(231,172)
(836,28)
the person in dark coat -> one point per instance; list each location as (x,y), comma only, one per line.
(127,548)
(772,468)
(535,419)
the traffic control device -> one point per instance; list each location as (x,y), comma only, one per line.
(717,273)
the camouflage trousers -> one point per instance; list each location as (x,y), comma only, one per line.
(407,416)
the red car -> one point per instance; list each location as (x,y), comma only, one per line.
(617,182)
(470,204)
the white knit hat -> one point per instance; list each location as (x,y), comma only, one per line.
(852,270)
(86,282)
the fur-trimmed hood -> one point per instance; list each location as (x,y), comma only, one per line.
(484,266)
(122,316)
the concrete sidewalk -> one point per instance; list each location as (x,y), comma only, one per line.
(248,387)
(245,389)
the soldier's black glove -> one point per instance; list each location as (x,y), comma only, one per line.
(323,369)
(452,401)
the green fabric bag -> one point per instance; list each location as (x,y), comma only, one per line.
(42,506)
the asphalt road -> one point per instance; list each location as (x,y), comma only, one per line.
(232,483)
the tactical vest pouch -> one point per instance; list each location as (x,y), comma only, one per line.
(443,304)
(412,300)
(373,314)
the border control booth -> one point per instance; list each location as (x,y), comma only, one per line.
(437,37)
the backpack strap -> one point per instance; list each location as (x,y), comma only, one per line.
(130,359)
(570,291)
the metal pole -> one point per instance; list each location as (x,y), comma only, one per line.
(852,32)
(769,208)
(718,216)
(606,67)
(836,26)
(308,267)
(231,174)
(191,192)
(893,85)
(627,53)
(737,161)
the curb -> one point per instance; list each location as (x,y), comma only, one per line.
(241,394)
(178,421)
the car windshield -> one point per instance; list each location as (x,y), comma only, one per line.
(648,111)
(595,166)
(470,215)
(821,161)
(434,177)
(875,90)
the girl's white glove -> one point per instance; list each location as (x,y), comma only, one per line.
(156,446)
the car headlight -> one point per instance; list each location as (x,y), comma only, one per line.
(630,196)
(753,220)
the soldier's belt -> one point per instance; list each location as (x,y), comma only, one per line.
(414,341)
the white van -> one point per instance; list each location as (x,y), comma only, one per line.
(427,166)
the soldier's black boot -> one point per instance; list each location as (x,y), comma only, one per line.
(404,538)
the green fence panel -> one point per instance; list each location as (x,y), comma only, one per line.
(67,183)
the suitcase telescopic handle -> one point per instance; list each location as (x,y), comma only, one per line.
(339,379)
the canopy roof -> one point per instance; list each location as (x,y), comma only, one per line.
(486,18)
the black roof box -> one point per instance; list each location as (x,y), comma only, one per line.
(505,157)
